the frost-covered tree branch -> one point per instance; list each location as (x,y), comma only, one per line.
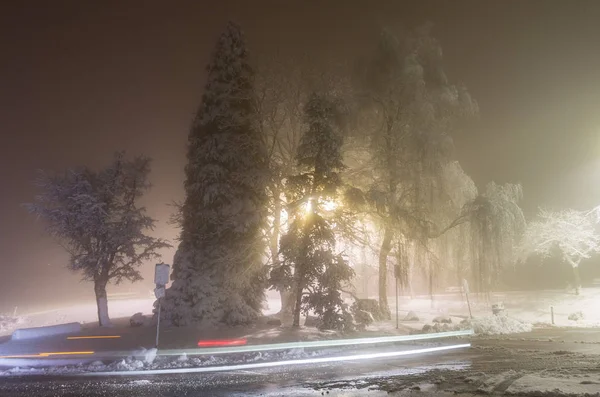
(574,233)
(95,216)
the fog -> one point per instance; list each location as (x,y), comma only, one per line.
(81,80)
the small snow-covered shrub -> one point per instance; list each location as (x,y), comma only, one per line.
(338,320)
(411,316)
(442,320)
(577,316)
(363,319)
(137,320)
(371,306)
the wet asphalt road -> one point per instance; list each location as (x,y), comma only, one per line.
(576,349)
(283,381)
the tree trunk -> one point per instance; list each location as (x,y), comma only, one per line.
(298,301)
(365,273)
(577,280)
(285,296)
(287,303)
(102,302)
(386,247)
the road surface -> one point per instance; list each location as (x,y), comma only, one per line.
(574,353)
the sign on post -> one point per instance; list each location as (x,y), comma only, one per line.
(161,278)
(161,274)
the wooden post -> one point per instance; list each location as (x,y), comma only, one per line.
(396,302)
(466,290)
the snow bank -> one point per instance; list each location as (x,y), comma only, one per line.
(148,360)
(489,325)
(41,332)
(496,325)
(146,355)
(9,322)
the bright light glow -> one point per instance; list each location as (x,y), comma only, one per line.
(321,360)
(326,205)
(48,354)
(221,342)
(329,205)
(308,207)
(94,337)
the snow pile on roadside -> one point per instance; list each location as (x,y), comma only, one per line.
(489,325)
(9,322)
(147,360)
(496,325)
(146,355)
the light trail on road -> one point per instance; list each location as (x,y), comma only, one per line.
(45,355)
(237,367)
(313,344)
(222,342)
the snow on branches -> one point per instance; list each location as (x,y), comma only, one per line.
(574,232)
(217,268)
(96,218)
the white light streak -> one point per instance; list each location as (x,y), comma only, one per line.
(238,367)
(295,345)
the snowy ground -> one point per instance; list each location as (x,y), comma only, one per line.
(551,362)
(86,313)
(530,307)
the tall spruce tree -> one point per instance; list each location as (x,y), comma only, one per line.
(218,264)
(312,268)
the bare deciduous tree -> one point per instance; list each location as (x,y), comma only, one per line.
(574,233)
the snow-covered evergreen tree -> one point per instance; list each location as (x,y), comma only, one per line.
(96,217)
(217,267)
(311,267)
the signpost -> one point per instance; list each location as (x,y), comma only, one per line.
(397,276)
(466,291)
(161,278)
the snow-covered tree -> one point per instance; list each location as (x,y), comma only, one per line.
(217,270)
(283,85)
(496,223)
(311,266)
(408,110)
(574,233)
(281,92)
(96,217)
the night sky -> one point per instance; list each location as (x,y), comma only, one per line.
(81,79)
